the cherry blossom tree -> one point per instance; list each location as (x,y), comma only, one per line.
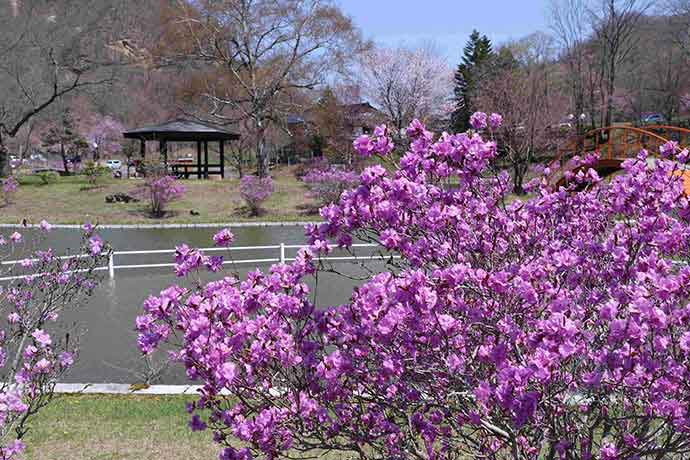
(105,136)
(407,83)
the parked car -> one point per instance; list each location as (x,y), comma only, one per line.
(653,119)
(113,164)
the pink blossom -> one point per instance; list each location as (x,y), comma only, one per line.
(42,337)
(478,121)
(224,238)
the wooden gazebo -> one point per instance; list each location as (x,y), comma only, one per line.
(186,131)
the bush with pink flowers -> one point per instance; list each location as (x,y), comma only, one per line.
(326,185)
(160,190)
(555,327)
(255,191)
(35,348)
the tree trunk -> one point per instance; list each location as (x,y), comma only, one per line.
(4,157)
(261,159)
(65,163)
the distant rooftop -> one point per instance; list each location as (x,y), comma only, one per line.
(181,130)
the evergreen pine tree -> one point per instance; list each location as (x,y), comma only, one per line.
(476,54)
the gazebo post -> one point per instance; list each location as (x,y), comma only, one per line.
(164,152)
(142,148)
(205,159)
(222,159)
(198,159)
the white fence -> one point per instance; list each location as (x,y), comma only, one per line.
(281,257)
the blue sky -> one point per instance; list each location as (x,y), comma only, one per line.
(448,23)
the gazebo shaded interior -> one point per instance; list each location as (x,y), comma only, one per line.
(186,131)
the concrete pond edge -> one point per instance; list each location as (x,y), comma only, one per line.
(171,226)
(125,389)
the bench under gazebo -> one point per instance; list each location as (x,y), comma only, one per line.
(187,131)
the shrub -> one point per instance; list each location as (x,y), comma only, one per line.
(326,185)
(555,327)
(32,360)
(254,191)
(160,191)
(93,172)
(9,188)
(48,177)
(307,166)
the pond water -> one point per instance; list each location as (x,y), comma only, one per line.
(108,350)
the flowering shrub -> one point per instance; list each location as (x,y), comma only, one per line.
(33,293)
(9,188)
(254,191)
(160,190)
(315,164)
(555,327)
(326,185)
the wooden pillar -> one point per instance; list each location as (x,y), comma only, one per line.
(222,159)
(198,159)
(164,152)
(205,159)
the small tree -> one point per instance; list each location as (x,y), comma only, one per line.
(254,191)
(31,359)
(93,172)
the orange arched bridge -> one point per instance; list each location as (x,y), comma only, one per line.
(616,144)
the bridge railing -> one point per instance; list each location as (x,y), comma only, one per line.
(616,143)
(280,254)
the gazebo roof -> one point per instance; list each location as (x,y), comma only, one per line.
(181,130)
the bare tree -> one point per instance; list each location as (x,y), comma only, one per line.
(531,105)
(570,25)
(254,54)
(407,83)
(45,55)
(614,25)
(655,77)
(596,37)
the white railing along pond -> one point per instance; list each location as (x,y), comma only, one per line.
(281,257)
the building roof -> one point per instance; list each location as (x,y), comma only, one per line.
(181,130)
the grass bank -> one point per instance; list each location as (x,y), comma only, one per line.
(116,427)
(122,427)
(71,200)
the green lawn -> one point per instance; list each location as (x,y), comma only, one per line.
(121,427)
(72,201)
(110,427)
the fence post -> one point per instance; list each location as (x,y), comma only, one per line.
(282,253)
(111,265)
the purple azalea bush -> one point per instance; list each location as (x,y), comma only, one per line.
(35,351)
(160,191)
(254,191)
(326,185)
(9,188)
(554,327)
